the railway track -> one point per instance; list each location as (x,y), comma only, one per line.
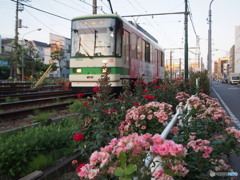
(33,95)
(10,112)
(29,103)
(18,114)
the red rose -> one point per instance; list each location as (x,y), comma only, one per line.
(80,95)
(136,104)
(106,111)
(85,103)
(155,81)
(96,89)
(78,137)
(149,97)
(144,91)
(79,167)
(121,98)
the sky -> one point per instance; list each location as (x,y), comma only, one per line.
(167,29)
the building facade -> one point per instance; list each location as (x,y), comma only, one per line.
(237,50)
(62,44)
(231,59)
(222,69)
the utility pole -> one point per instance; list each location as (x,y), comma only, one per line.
(180,67)
(186,41)
(14,65)
(94,6)
(170,64)
(15,60)
(210,43)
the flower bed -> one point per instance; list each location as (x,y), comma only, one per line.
(118,133)
(204,133)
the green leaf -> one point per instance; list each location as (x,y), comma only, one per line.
(119,171)
(131,168)
(123,158)
(169,172)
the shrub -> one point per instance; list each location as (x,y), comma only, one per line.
(17,150)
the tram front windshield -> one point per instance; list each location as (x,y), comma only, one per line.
(95,37)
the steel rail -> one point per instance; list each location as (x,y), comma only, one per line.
(6,106)
(25,112)
(27,96)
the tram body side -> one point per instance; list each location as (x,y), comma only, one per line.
(116,44)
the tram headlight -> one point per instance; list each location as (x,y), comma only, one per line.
(77,70)
(106,70)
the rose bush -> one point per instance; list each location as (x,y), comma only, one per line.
(203,130)
(151,118)
(124,158)
(207,136)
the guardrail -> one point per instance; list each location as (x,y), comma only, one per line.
(155,163)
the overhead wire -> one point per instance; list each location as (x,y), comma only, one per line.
(197,37)
(67,5)
(43,23)
(42,10)
(98,7)
(107,6)
(154,27)
(76,4)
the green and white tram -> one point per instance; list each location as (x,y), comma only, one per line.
(108,40)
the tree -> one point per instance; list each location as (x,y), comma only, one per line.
(59,56)
(29,61)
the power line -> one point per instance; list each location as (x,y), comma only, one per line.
(42,23)
(107,6)
(156,14)
(79,6)
(43,11)
(98,7)
(190,15)
(67,5)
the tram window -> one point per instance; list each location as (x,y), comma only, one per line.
(151,54)
(133,46)
(162,59)
(159,58)
(126,47)
(119,40)
(147,52)
(143,50)
(139,49)
(155,56)
(96,37)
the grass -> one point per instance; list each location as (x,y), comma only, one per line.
(41,117)
(9,99)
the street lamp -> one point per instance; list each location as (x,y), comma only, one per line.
(210,43)
(39,29)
